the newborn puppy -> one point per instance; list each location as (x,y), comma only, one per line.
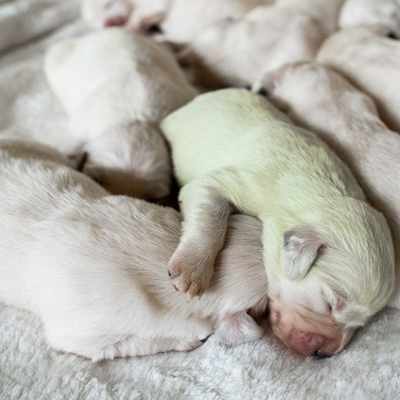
(187,19)
(371,12)
(237,53)
(116,86)
(347,119)
(328,254)
(93,266)
(370,58)
(138,15)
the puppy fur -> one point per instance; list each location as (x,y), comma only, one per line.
(348,121)
(138,15)
(370,59)
(231,150)
(371,12)
(116,86)
(93,266)
(237,53)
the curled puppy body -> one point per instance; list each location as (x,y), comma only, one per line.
(116,86)
(237,53)
(328,254)
(370,58)
(371,12)
(93,266)
(187,19)
(347,119)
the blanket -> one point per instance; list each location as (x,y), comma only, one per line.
(265,369)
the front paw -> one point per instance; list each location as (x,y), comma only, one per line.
(192,268)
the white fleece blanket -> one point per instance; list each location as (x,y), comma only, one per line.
(368,369)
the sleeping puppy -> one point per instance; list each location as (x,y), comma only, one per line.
(116,86)
(328,254)
(178,21)
(371,12)
(370,58)
(93,266)
(138,15)
(347,119)
(237,53)
(187,19)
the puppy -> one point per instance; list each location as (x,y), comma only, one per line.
(237,53)
(370,58)
(347,119)
(93,266)
(138,15)
(116,86)
(328,254)
(371,12)
(187,19)
(178,21)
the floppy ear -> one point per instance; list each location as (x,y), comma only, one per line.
(300,250)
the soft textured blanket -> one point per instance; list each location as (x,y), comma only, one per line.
(368,369)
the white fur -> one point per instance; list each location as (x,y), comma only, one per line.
(347,119)
(233,150)
(94,266)
(236,53)
(371,12)
(371,60)
(116,86)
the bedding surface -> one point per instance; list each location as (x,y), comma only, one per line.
(265,369)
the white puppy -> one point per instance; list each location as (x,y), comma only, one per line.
(371,12)
(328,254)
(239,52)
(116,86)
(179,21)
(138,15)
(347,119)
(370,58)
(94,266)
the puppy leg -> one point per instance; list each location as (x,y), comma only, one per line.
(108,347)
(206,205)
(238,328)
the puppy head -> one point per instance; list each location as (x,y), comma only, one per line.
(132,160)
(100,14)
(331,282)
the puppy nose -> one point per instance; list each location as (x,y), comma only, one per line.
(320,354)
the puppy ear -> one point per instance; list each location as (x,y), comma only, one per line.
(301,247)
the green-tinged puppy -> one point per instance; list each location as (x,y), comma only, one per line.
(328,254)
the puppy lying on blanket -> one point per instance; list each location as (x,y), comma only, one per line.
(93,266)
(347,119)
(370,58)
(239,52)
(328,254)
(116,86)
(371,12)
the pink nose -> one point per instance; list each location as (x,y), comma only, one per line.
(303,342)
(115,21)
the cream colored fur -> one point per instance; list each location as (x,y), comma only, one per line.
(371,60)
(233,150)
(371,12)
(116,86)
(347,119)
(94,266)
(237,53)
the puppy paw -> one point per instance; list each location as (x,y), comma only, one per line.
(191,270)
